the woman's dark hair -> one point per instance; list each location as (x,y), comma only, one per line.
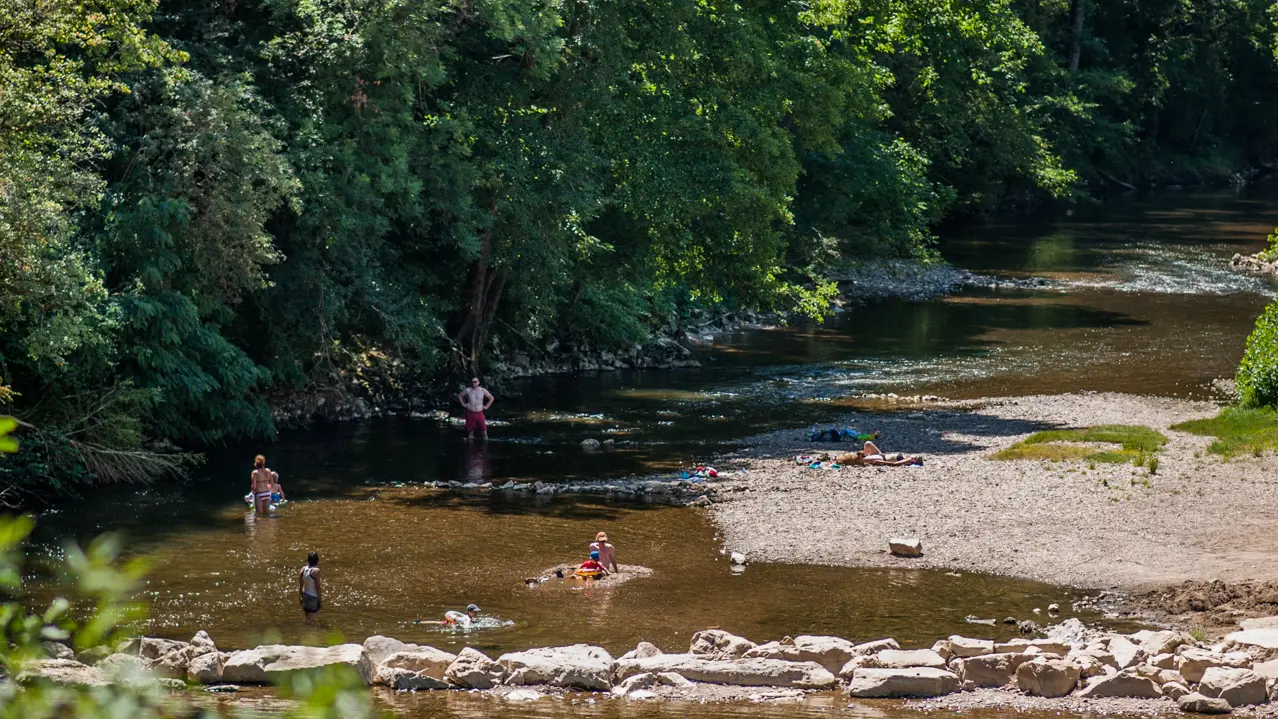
(312,558)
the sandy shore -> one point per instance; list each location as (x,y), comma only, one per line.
(1111,526)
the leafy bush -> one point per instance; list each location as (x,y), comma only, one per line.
(1257,378)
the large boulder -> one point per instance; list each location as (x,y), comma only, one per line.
(58,650)
(176,663)
(120,663)
(207,668)
(1199,704)
(1261,644)
(63,671)
(1126,683)
(1165,641)
(474,670)
(965,647)
(265,664)
(1047,677)
(742,672)
(407,680)
(718,644)
(830,652)
(900,683)
(580,665)
(379,647)
(1239,687)
(989,670)
(203,642)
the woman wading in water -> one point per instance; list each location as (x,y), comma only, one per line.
(309,587)
(262,481)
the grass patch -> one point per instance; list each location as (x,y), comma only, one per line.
(1136,444)
(1237,431)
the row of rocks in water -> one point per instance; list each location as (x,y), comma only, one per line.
(1072,660)
(676,491)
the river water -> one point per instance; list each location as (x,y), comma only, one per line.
(1137,300)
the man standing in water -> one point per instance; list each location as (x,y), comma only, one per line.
(607,554)
(309,587)
(475,399)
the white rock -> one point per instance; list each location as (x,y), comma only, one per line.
(1259,623)
(1163,661)
(1192,663)
(718,644)
(120,663)
(942,647)
(1268,670)
(590,445)
(1047,677)
(830,652)
(153,648)
(1239,687)
(522,695)
(1262,644)
(474,670)
(642,650)
(264,664)
(639,694)
(738,558)
(898,659)
(742,672)
(1125,652)
(906,546)
(1161,642)
(203,641)
(580,665)
(965,647)
(1126,683)
(900,683)
(1175,691)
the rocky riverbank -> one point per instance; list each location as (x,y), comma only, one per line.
(1093,525)
(1071,668)
(1264,263)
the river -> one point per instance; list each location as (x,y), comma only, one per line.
(1137,300)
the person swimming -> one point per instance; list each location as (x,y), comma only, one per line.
(457,619)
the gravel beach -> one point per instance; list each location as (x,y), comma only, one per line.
(1067,523)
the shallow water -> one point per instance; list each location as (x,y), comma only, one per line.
(1138,301)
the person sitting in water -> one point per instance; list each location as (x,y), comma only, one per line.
(592,568)
(457,619)
(872,456)
(607,553)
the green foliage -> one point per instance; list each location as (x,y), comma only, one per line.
(1257,377)
(1238,430)
(1138,445)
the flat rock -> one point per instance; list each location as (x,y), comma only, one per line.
(917,682)
(578,666)
(718,644)
(830,652)
(1047,677)
(1239,687)
(742,672)
(1193,662)
(265,664)
(1259,623)
(1199,704)
(1046,646)
(1259,643)
(965,647)
(1126,683)
(63,671)
(894,659)
(1125,652)
(474,670)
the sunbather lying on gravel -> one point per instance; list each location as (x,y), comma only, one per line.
(871,455)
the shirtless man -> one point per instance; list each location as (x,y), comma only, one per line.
(607,553)
(475,399)
(261,483)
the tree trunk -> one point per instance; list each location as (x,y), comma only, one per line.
(483,297)
(1075,34)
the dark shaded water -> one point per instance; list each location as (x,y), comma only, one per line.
(1140,302)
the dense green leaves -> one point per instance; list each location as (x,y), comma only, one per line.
(206,202)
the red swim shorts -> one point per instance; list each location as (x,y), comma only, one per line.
(475,422)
